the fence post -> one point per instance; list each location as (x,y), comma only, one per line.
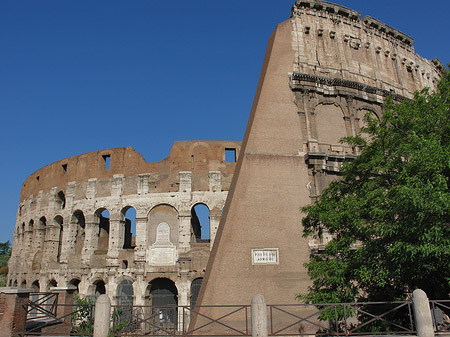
(422,314)
(102,316)
(259,316)
(13,310)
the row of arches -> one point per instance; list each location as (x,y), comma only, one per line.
(44,236)
(160,292)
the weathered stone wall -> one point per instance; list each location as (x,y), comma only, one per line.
(62,238)
(325,68)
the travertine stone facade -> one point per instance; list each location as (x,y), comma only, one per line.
(63,235)
(325,68)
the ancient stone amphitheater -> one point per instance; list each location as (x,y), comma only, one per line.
(73,223)
(324,69)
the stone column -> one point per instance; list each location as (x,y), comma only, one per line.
(184,230)
(90,237)
(13,310)
(67,242)
(116,237)
(214,220)
(51,243)
(141,235)
(183,286)
(139,288)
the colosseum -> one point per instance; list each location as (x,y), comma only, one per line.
(324,69)
(74,225)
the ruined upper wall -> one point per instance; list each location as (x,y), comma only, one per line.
(335,42)
(199,157)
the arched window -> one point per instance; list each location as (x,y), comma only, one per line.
(52,283)
(58,223)
(61,200)
(35,286)
(30,234)
(195,290)
(41,233)
(78,220)
(129,214)
(125,293)
(75,282)
(163,299)
(200,223)
(103,231)
(99,288)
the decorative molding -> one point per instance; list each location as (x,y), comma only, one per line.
(298,78)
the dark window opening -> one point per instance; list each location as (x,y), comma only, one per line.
(75,282)
(103,233)
(130,229)
(37,178)
(64,167)
(195,290)
(124,264)
(200,224)
(163,299)
(107,160)
(62,199)
(100,288)
(230,155)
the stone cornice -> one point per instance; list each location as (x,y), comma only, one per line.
(302,81)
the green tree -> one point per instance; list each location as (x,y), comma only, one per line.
(5,248)
(389,215)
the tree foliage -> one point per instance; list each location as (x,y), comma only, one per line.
(389,215)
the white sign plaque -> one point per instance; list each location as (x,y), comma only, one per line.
(265,256)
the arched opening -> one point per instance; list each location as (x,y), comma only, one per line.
(79,221)
(167,214)
(35,286)
(75,282)
(34,296)
(30,234)
(200,229)
(61,200)
(330,124)
(41,233)
(125,293)
(23,284)
(58,223)
(163,297)
(15,284)
(103,230)
(362,116)
(99,288)
(129,214)
(195,290)
(52,283)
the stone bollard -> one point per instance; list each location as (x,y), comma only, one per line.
(102,316)
(422,314)
(259,316)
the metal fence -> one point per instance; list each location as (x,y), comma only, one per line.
(332,319)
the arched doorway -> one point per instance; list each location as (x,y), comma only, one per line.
(195,290)
(125,293)
(163,297)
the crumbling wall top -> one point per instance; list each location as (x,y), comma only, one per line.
(328,7)
(347,13)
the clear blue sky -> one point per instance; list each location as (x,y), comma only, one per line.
(83,75)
